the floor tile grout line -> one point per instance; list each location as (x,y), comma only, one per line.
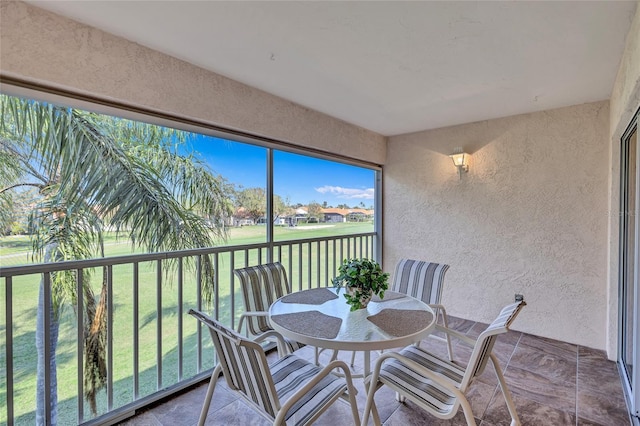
(495,389)
(495,392)
(515,347)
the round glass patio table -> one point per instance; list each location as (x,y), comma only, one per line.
(321,317)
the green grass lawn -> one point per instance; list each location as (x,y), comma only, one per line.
(14,251)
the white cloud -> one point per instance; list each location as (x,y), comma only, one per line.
(347,193)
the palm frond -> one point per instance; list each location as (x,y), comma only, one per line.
(94,171)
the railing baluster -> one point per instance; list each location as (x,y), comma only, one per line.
(318,264)
(232,289)
(216,287)
(366,245)
(110,337)
(335,267)
(326,263)
(291,264)
(46,299)
(80,342)
(366,249)
(8,294)
(180,342)
(300,266)
(136,335)
(309,264)
(199,305)
(159,323)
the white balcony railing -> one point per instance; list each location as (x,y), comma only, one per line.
(153,349)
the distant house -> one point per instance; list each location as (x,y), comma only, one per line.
(292,218)
(359,215)
(333,215)
(301,213)
(241,218)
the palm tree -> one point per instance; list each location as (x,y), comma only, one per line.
(94,172)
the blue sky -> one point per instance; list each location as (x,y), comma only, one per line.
(298,178)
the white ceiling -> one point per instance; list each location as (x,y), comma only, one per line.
(388,66)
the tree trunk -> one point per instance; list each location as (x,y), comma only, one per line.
(41,419)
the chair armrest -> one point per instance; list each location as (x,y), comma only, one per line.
(280,342)
(464,338)
(268,334)
(438,307)
(439,310)
(250,314)
(315,380)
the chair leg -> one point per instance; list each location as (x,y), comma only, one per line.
(318,351)
(353,358)
(207,399)
(468,414)
(334,355)
(283,350)
(446,325)
(370,406)
(515,421)
(352,399)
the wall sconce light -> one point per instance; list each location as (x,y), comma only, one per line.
(460,160)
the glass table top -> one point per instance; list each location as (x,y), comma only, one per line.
(320,317)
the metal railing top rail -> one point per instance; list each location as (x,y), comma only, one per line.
(37,268)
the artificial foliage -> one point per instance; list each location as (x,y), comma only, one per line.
(365,278)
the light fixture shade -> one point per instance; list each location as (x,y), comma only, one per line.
(460,160)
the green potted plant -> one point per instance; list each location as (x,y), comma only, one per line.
(361,278)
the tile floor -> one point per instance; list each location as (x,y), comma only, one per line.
(552,383)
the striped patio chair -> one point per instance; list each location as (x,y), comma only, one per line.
(261,286)
(423,280)
(290,391)
(438,385)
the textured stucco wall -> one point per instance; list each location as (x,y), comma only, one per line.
(624,102)
(530,217)
(530,210)
(41,47)
(625,96)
